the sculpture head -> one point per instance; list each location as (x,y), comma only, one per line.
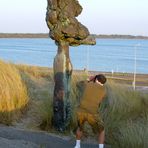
(61,20)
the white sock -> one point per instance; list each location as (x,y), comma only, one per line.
(78,143)
(101,145)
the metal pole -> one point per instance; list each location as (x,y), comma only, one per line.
(135,65)
(87,58)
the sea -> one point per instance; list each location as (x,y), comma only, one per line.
(108,55)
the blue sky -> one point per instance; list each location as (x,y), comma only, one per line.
(100,16)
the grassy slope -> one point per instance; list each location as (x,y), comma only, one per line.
(124,111)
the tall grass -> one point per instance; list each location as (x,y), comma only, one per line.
(125,114)
(39,82)
(13,93)
(45,109)
(45,112)
(124,111)
(35,71)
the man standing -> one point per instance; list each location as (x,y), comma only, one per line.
(93,95)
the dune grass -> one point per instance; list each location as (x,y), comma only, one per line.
(39,83)
(13,93)
(124,111)
(125,114)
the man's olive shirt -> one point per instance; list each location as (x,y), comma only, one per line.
(92,97)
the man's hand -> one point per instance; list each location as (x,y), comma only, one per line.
(91,78)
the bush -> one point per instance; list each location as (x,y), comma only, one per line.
(13,93)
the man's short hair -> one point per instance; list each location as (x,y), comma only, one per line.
(101,78)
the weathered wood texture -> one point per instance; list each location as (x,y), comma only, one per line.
(67,31)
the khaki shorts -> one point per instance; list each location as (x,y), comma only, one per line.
(93,119)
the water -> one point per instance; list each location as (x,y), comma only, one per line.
(112,55)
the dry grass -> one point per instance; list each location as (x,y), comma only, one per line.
(39,82)
(124,111)
(13,93)
(35,71)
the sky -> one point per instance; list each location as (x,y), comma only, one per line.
(126,17)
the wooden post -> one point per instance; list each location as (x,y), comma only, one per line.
(62,77)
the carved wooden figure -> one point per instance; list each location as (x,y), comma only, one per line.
(66,31)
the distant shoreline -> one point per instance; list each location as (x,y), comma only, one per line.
(46,35)
(24,35)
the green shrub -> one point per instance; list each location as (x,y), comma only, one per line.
(125,113)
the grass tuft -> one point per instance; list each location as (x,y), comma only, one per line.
(125,113)
(13,93)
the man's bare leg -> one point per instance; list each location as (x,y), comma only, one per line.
(79,134)
(101,138)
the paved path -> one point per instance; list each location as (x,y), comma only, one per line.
(16,138)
